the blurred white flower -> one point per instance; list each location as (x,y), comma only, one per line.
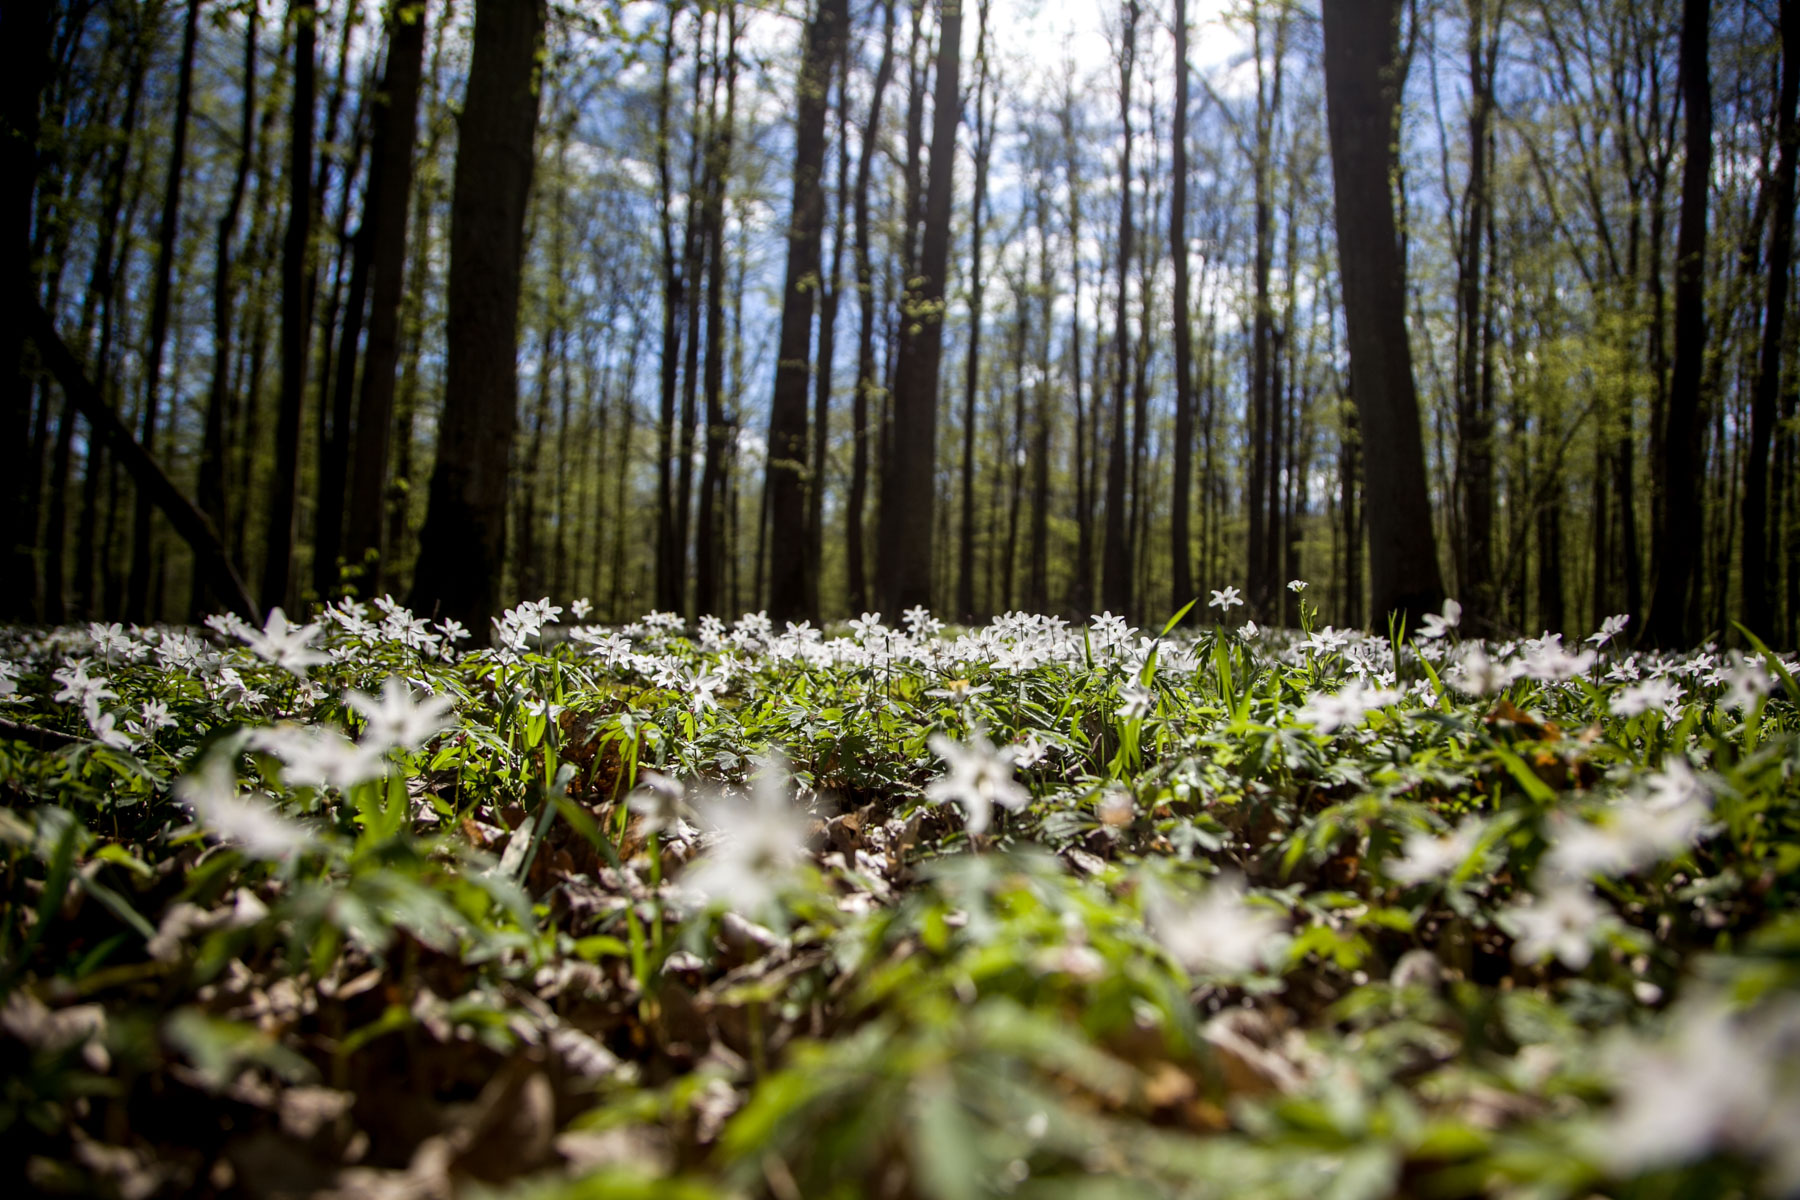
(1479,675)
(1560,921)
(1610,628)
(659,800)
(285,644)
(1327,712)
(980,777)
(1135,702)
(1296,585)
(1747,683)
(759,841)
(396,720)
(1659,694)
(249,822)
(1218,932)
(1436,625)
(1427,857)
(319,756)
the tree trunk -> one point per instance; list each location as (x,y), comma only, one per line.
(668,548)
(137,591)
(1115,564)
(868,383)
(296,311)
(1361,95)
(1179,537)
(1474,408)
(462,548)
(908,483)
(1757,550)
(390,194)
(983,132)
(787,483)
(721,433)
(1680,529)
(829,295)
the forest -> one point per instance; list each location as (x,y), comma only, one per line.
(1328,467)
(717,307)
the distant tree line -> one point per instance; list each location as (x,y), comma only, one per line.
(824,306)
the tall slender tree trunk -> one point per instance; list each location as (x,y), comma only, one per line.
(1681,529)
(787,482)
(1361,97)
(984,126)
(868,382)
(462,548)
(829,295)
(1115,566)
(209,492)
(390,196)
(1182,571)
(1758,550)
(296,312)
(668,547)
(721,432)
(137,591)
(908,481)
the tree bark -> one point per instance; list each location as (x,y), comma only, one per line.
(868,383)
(390,196)
(1115,560)
(1179,536)
(462,548)
(1680,529)
(1361,98)
(787,482)
(908,494)
(1757,551)
(984,126)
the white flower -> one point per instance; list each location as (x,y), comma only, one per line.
(1708,1084)
(1426,857)
(921,623)
(249,822)
(759,840)
(1296,586)
(78,687)
(1135,702)
(1749,682)
(1327,713)
(1219,932)
(285,644)
(396,720)
(112,639)
(658,799)
(980,777)
(1640,698)
(1436,626)
(319,756)
(581,608)
(1249,629)
(1224,599)
(1479,675)
(1558,922)
(1610,628)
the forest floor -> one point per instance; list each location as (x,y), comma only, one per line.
(340,909)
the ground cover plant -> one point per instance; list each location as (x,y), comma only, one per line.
(344,907)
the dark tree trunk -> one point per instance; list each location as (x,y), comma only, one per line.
(789,568)
(137,591)
(868,383)
(1680,529)
(829,295)
(26,31)
(1474,401)
(1361,92)
(390,194)
(721,431)
(1757,550)
(984,126)
(908,480)
(1115,564)
(209,490)
(1081,592)
(296,312)
(462,548)
(668,547)
(1179,537)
